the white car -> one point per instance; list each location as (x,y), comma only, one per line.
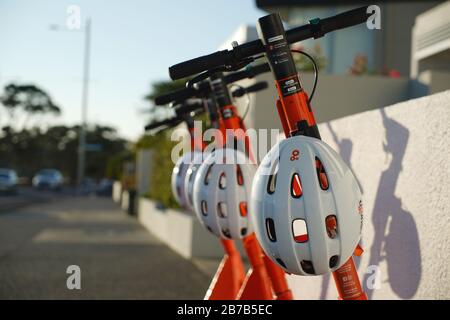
(8,180)
(51,179)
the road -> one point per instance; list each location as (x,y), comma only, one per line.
(25,196)
(118,258)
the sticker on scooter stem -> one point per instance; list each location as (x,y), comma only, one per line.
(227,113)
(289,86)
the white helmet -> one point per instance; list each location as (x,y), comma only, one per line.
(307,207)
(178,177)
(190,178)
(221,191)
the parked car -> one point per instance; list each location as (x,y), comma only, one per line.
(50,179)
(104,188)
(8,180)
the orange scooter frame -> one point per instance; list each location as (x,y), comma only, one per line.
(263,269)
(297,118)
(230,275)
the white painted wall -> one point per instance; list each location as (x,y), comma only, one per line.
(117,191)
(179,230)
(336,96)
(401,157)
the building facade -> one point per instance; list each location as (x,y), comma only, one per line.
(387,49)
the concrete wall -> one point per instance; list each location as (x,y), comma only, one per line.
(336,96)
(117,191)
(400,155)
(179,230)
(435,81)
(125,200)
(143,170)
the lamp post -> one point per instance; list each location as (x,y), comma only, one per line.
(81,164)
(81,167)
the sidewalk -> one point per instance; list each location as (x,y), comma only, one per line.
(118,258)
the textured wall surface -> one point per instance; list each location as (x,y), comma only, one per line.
(336,96)
(400,155)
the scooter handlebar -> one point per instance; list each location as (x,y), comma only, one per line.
(315,29)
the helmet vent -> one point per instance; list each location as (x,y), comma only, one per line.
(223,181)
(299,230)
(240,177)
(321,175)
(179,191)
(333,261)
(272,181)
(208,174)
(270,229)
(243,209)
(191,174)
(296,186)
(331,226)
(307,266)
(222,209)
(226,233)
(181,167)
(281,262)
(204,208)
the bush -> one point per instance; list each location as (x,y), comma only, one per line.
(160,186)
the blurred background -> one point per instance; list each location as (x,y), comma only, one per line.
(78,79)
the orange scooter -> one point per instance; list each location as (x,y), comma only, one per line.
(293,104)
(264,276)
(231,273)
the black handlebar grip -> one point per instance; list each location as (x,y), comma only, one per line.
(315,29)
(178,95)
(261,85)
(258,69)
(248,72)
(190,105)
(168,122)
(299,34)
(200,64)
(345,19)
(258,86)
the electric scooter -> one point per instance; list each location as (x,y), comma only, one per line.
(293,104)
(256,286)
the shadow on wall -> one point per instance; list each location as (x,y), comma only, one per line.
(396,238)
(345,148)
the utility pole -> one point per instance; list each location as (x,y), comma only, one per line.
(81,166)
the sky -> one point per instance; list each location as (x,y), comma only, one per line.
(133,44)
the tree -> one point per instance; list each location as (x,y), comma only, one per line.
(158,113)
(23,102)
(57,148)
(160,189)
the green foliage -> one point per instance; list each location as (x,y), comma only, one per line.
(161,87)
(23,103)
(30,150)
(304,64)
(160,187)
(115,163)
